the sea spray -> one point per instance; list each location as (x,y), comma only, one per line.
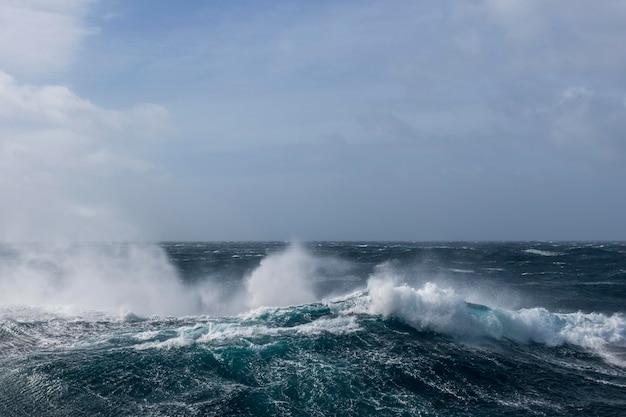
(283,279)
(110,277)
(128,278)
(297,275)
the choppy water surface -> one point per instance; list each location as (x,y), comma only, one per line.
(372,328)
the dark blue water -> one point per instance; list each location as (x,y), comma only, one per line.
(315,329)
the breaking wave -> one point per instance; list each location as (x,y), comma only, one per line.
(445,310)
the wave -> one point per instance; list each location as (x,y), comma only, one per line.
(430,308)
(444,310)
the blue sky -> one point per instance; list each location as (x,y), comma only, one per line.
(345,120)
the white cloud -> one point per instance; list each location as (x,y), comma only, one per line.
(56,106)
(61,155)
(39,38)
(29,111)
(52,142)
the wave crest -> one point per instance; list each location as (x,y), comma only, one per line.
(445,310)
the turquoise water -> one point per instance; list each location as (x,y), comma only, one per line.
(372,328)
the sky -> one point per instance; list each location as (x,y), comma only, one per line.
(416,120)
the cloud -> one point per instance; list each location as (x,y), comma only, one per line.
(57,105)
(54,143)
(62,126)
(39,38)
(63,158)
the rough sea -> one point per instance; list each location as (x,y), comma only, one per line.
(313,329)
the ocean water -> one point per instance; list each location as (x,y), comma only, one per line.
(313,329)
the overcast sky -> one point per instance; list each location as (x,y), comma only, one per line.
(313,120)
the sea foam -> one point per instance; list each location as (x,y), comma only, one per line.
(445,310)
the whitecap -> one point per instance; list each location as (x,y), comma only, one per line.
(542,252)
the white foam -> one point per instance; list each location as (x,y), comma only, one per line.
(541,252)
(185,336)
(147,335)
(428,307)
(590,330)
(443,309)
(214,332)
(335,325)
(461,271)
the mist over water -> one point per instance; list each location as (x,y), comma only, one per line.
(134,278)
(283,279)
(140,279)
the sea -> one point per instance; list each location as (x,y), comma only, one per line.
(313,329)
